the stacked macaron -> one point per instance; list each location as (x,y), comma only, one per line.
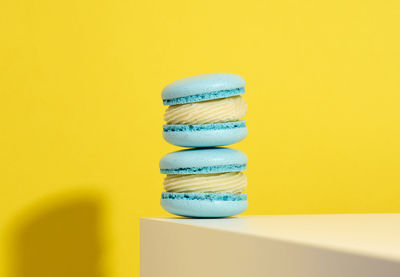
(205,112)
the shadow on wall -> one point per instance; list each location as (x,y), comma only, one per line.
(57,239)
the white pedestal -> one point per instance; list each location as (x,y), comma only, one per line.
(362,245)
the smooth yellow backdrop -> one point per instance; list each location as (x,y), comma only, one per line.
(81,116)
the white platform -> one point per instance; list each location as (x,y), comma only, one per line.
(279,246)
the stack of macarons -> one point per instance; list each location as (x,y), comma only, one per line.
(204,113)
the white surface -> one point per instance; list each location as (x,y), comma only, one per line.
(301,245)
(373,234)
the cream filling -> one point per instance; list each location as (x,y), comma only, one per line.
(232,182)
(213,111)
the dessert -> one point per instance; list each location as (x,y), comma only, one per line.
(204,182)
(205,110)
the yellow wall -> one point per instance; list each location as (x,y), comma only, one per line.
(81,116)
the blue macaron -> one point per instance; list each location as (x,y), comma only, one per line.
(203,161)
(198,89)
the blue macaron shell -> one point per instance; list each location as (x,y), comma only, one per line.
(202,88)
(203,161)
(205,135)
(204,204)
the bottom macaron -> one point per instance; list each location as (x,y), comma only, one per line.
(197,204)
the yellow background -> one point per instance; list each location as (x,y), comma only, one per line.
(81,116)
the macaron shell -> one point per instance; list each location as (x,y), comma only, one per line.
(201,84)
(206,137)
(206,169)
(204,208)
(199,158)
(204,96)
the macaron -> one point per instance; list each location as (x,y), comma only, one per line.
(204,182)
(205,110)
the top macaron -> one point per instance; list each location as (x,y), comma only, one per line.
(205,110)
(202,88)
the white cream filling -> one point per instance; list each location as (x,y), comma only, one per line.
(213,111)
(232,182)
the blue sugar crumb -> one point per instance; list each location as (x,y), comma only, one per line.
(204,196)
(203,127)
(205,169)
(204,96)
